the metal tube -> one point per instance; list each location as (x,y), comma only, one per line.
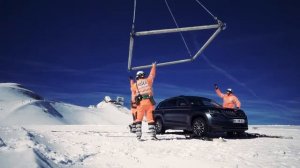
(162,64)
(174,30)
(207,43)
(130,52)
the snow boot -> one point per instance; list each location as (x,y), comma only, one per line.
(132,128)
(151,127)
(138,130)
(154,138)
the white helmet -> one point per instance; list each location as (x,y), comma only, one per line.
(229,90)
(140,74)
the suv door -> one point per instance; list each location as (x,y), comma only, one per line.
(182,112)
(167,109)
(178,113)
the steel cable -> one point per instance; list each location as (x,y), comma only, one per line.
(182,37)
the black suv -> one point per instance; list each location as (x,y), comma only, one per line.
(198,115)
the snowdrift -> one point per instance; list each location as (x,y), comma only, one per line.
(20,106)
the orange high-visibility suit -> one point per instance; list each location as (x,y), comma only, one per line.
(229,100)
(144,87)
(133,104)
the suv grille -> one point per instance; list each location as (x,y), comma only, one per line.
(231,113)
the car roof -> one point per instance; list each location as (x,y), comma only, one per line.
(188,97)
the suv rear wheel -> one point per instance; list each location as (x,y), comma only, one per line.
(159,127)
(199,127)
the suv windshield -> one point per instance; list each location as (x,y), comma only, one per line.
(203,102)
(211,103)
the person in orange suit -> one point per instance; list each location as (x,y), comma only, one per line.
(133,106)
(144,91)
(229,99)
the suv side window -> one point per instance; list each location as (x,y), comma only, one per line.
(167,104)
(171,103)
(196,102)
(181,103)
(162,104)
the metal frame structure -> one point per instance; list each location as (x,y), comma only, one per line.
(219,27)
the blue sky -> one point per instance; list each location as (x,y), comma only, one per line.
(76,51)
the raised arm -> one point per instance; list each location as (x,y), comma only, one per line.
(131,83)
(219,93)
(152,72)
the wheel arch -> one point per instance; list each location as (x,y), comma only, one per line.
(163,127)
(195,116)
(158,117)
(198,116)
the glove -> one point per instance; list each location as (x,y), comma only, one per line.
(216,86)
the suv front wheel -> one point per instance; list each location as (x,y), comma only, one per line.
(159,127)
(199,127)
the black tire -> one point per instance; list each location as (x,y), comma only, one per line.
(159,126)
(199,127)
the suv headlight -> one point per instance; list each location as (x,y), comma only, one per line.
(214,112)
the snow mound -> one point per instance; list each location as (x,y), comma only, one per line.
(21,106)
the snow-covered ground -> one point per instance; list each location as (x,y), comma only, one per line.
(114,146)
(38,133)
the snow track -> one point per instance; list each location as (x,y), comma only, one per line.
(113,146)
